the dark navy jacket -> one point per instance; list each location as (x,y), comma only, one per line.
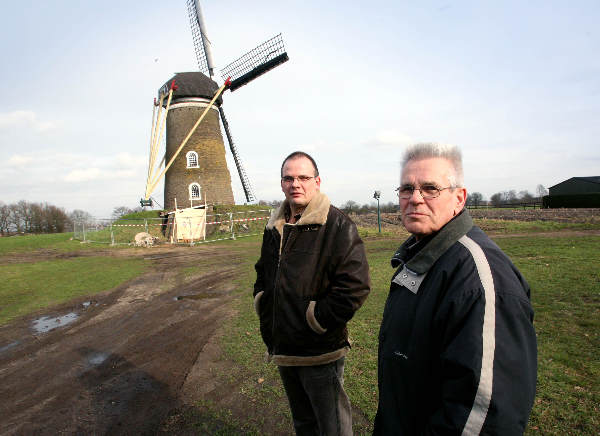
(457,347)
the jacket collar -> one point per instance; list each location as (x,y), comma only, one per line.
(315,213)
(435,247)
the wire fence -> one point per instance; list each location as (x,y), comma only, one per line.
(218,227)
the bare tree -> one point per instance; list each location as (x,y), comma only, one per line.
(497,199)
(350,206)
(120,211)
(56,219)
(526,196)
(511,196)
(389,207)
(4,219)
(474,199)
(36,218)
(81,216)
(541,191)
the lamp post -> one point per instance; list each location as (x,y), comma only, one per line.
(376,196)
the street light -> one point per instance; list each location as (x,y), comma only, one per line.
(376,196)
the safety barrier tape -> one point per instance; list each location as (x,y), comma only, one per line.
(240,220)
(213,222)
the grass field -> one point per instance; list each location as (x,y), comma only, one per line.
(562,271)
(54,241)
(28,287)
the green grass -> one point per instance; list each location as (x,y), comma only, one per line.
(55,241)
(28,287)
(565,280)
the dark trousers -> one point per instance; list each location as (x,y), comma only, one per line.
(317,399)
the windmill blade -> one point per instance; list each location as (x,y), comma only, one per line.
(202,45)
(256,62)
(238,162)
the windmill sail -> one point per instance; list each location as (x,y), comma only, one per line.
(201,41)
(238,162)
(256,62)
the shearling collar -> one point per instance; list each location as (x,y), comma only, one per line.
(315,213)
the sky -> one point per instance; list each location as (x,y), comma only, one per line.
(516,85)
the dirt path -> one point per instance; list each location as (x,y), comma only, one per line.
(120,367)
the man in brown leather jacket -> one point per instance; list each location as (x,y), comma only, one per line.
(312,276)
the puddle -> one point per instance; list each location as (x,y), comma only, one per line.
(97,358)
(45,324)
(9,346)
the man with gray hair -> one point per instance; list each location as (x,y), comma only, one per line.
(457,347)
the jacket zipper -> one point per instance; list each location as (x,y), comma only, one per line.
(283,243)
(275,289)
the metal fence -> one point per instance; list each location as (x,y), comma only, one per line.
(219,227)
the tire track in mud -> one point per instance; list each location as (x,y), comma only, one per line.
(120,367)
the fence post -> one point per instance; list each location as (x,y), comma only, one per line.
(112,236)
(146,224)
(83,224)
(231,225)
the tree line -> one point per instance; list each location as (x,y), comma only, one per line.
(26,217)
(30,217)
(475,199)
(350,206)
(507,198)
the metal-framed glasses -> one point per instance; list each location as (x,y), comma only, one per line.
(427,191)
(288,180)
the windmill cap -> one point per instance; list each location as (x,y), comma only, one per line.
(191,84)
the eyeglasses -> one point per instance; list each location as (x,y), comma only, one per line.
(427,191)
(288,180)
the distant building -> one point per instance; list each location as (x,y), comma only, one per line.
(574,192)
(576,185)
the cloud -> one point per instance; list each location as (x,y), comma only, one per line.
(18,161)
(49,166)
(24,119)
(128,160)
(86,175)
(389,139)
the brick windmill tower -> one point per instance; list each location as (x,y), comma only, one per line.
(196,170)
(199,173)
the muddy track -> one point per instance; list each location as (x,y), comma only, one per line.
(120,367)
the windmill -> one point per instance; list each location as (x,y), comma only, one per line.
(195,152)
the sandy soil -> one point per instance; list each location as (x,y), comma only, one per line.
(120,368)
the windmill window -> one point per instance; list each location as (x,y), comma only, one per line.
(194,190)
(192,159)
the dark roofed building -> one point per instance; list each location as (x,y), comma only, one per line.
(576,185)
(574,192)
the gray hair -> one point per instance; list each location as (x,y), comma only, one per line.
(426,150)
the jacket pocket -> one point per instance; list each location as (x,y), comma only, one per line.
(257,302)
(312,320)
